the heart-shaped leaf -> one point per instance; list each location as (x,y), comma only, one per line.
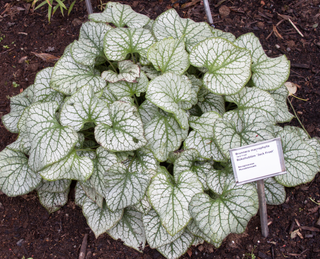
(126,132)
(267,73)
(92,194)
(230,209)
(208,101)
(79,195)
(88,50)
(143,205)
(130,230)
(100,219)
(53,201)
(229,67)
(54,186)
(172,93)
(16,177)
(128,71)
(50,142)
(82,107)
(169,24)
(300,159)
(156,234)
(169,55)
(162,131)
(275,192)
(120,15)
(120,42)
(204,124)
(225,35)
(197,232)
(68,76)
(171,199)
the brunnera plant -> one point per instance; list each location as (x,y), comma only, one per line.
(142,115)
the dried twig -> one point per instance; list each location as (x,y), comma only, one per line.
(83,248)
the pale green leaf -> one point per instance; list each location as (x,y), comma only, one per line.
(229,67)
(226,212)
(126,132)
(172,93)
(82,107)
(169,24)
(275,192)
(208,101)
(18,104)
(130,230)
(162,131)
(315,144)
(253,97)
(53,201)
(241,127)
(204,124)
(156,234)
(100,219)
(92,194)
(127,89)
(300,158)
(169,55)
(88,50)
(50,142)
(267,73)
(16,177)
(120,42)
(128,71)
(195,230)
(54,186)
(120,15)
(68,76)
(225,35)
(171,199)
(280,96)
(178,247)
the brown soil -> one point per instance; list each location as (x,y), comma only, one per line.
(26,228)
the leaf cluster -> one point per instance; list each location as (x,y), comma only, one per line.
(142,115)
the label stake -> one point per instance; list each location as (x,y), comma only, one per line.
(263,209)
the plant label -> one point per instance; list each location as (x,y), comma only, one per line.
(257,161)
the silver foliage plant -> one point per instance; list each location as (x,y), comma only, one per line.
(141,114)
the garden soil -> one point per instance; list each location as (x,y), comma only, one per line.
(289,27)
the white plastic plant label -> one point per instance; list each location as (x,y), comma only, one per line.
(257,161)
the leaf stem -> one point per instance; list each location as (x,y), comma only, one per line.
(136,100)
(112,66)
(295,114)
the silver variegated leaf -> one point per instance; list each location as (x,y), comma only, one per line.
(171,199)
(54,186)
(50,142)
(126,132)
(53,201)
(68,76)
(208,101)
(280,97)
(100,219)
(242,127)
(267,73)
(253,97)
(128,72)
(41,90)
(315,144)
(150,71)
(82,107)
(229,67)
(275,192)
(126,187)
(204,124)
(169,55)
(79,195)
(92,194)
(130,230)
(162,131)
(300,158)
(169,24)
(225,35)
(178,247)
(120,42)
(229,211)
(195,230)
(143,206)
(190,160)
(18,104)
(172,93)
(16,177)
(88,50)
(127,89)
(120,15)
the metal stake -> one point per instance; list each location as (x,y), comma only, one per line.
(208,12)
(263,209)
(89,7)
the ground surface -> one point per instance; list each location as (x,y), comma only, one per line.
(26,229)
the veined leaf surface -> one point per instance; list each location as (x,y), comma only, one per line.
(171,199)
(120,15)
(275,192)
(267,73)
(54,186)
(53,201)
(128,71)
(208,101)
(229,67)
